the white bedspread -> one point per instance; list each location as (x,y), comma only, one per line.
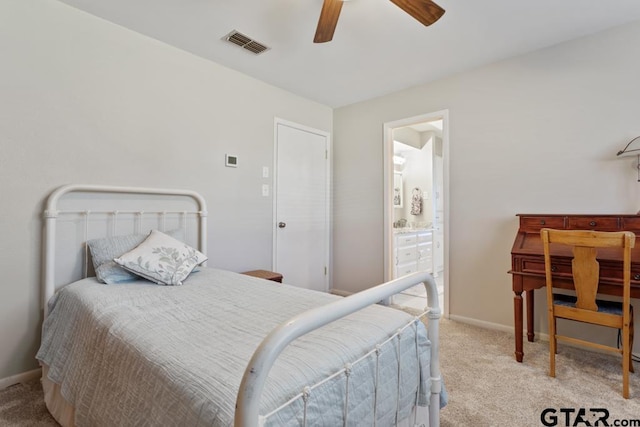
(147,355)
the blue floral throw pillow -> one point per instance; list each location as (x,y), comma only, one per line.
(162,259)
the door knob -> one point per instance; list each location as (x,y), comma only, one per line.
(282,224)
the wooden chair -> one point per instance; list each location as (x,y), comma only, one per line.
(584,307)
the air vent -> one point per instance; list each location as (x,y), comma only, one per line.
(245,42)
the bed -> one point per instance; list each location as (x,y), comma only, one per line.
(222,348)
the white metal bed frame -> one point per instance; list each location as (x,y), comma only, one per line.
(253,382)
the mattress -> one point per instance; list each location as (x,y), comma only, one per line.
(143,354)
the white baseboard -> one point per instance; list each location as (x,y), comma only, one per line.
(481,323)
(539,336)
(20,378)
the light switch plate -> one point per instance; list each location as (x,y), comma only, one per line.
(230,161)
(265,171)
(265,190)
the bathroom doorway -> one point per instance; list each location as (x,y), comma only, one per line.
(416,203)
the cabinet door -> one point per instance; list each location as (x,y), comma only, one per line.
(425,237)
(425,264)
(425,257)
(425,251)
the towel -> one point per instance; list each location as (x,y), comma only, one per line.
(416,201)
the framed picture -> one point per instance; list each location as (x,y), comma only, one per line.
(398,195)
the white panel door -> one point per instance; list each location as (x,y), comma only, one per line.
(301,245)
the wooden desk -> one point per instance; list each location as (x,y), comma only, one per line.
(265,274)
(527,261)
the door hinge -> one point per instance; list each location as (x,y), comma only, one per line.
(326,154)
(325,271)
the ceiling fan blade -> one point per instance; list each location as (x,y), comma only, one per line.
(425,11)
(328,20)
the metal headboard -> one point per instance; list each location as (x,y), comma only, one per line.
(52,212)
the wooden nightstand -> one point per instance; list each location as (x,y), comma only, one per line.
(265,274)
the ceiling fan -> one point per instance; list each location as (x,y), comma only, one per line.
(425,11)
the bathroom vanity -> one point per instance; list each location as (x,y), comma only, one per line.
(413,251)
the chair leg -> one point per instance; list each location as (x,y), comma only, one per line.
(555,328)
(625,361)
(626,355)
(553,344)
(631,343)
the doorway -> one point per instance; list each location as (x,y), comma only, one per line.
(301,205)
(416,155)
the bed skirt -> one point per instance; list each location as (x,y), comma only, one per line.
(58,407)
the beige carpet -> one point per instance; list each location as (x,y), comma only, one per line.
(22,405)
(487,387)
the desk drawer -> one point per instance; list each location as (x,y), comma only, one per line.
(595,223)
(533,224)
(615,272)
(537,266)
(610,271)
(631,224)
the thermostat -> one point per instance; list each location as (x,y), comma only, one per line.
(230,161)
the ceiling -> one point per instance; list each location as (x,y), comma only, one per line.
(377,48)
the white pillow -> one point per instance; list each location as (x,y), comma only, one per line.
(162,259)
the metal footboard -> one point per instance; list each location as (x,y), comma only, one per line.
(248,399)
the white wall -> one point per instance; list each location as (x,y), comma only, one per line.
(533,134)
(87,101)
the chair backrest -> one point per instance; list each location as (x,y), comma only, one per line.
(585,267)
